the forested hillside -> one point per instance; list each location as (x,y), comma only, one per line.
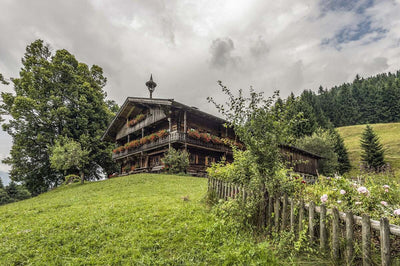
(364,101)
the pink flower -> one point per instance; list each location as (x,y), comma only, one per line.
(386,186)
(357,203)
(386,190)
(324,198)
(384,203)
(342,191)
(363,190)
(396,212)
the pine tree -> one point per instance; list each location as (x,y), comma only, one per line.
(372,151)
(341,151)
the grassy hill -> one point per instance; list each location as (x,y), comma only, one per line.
(140,219)
(390,139)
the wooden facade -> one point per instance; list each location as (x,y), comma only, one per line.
(177,120)
(145,128)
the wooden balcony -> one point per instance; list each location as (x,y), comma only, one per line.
(149,120)
(174,137)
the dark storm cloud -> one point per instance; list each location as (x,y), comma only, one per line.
(221,53)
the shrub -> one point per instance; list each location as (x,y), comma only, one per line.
(322,143)
(71,179)
(176,161)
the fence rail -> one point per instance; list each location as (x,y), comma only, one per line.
(282,213)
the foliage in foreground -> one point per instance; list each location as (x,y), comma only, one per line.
(138,219)
(176,161)
(55,96)
(377,195)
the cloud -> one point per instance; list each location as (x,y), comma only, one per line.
(259,48)
(221,53)
(189,45)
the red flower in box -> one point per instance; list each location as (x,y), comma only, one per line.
(162,133)
(194,134)
(205,137)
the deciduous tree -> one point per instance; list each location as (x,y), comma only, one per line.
(55,95)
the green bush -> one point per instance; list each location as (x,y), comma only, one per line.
(176,161)
(322,143)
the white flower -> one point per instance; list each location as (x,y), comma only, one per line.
(384,203)
(324,198)
(339,201)
(363,190)
(357,203)
(396,212)
(342,191)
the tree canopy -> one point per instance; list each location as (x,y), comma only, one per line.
(55,96)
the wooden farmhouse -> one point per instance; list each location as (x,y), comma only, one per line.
(145,128)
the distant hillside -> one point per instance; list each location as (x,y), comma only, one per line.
(5,178)
(390,139)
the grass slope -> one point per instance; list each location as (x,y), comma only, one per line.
(138,219)
(389,136)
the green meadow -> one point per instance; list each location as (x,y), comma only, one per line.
(389,136)
(141,219)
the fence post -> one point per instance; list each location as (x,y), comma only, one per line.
(301,216)
(311,214)
(277,212)
(349,237)
(322,229)
(335,234)
(385,241)
(284,212)
(366,240)
(292,215)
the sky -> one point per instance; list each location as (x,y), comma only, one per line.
(189,45)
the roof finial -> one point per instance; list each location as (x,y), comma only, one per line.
(151,85)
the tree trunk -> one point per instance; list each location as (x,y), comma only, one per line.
(82,177)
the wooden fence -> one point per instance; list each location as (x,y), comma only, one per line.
(345,230)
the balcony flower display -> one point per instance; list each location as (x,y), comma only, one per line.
(206,137)
(137,119)
(145,140)
(162,133)
(194,134)
(153,137)
(216,140)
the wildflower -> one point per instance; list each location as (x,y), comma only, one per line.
(324,198)
(357,203)
(339,201)
(386,190)
(386,186)
(342,191)
(303,182)
(363,190)
(384,203)
(396,212)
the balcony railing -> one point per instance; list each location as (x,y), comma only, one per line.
(173,138)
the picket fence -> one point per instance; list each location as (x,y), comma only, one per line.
(278,213)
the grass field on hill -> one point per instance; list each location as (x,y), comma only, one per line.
(140,219)
(389,136)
